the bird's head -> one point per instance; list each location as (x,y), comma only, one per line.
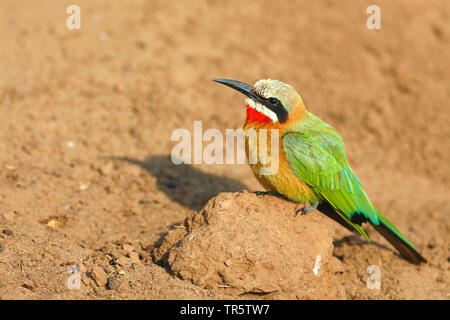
(268,101)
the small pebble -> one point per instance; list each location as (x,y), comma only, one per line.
(171,185)
(99,275)
(7,232)
(27,286)
(83,186)
(2,247)
(113,284)
(107,169)
(9,167)
(112,262)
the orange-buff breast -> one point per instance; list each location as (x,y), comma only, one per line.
(284,181)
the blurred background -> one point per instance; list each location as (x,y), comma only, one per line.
(87,114)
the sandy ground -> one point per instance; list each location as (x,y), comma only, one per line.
(85,174)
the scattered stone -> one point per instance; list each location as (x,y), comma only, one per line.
(107,168)
(113,284)
(83,186)
(55,221)
(27,286)
(2,247)
(112,262)
(99,276)
(171,185)
(7,232)
(9,167)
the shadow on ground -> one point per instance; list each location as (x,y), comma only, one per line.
(354,239)
(184,183)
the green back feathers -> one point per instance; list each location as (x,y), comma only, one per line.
(315,152)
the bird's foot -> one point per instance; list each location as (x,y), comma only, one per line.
(261,193)
(307,209)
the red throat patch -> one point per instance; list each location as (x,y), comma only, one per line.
(254,115)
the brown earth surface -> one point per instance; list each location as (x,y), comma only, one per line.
(87,115)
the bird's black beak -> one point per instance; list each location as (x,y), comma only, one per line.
(271,103)
(242,88)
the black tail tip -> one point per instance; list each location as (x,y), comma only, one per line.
(408,252)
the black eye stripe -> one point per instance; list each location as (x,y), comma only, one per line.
(276,106)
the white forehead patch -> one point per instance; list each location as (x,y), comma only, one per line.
(268,88)
(262,109)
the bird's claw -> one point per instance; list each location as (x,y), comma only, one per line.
(261,193)
(307,209)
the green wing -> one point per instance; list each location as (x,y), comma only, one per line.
(319,160)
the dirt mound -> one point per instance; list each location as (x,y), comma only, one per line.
(255,245)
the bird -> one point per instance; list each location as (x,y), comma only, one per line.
(313,168)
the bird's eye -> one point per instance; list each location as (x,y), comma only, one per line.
(273,101)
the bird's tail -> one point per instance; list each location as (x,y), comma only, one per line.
(398,240)
(384,227)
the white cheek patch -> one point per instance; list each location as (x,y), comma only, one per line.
(262,109)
